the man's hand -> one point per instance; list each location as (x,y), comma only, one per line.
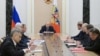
(32,47)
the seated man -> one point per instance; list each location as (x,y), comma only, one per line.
(23,43)
(8,47)
(47,28)
(79,26)
(86,39)
(95,43)
(24,40)
(81,34)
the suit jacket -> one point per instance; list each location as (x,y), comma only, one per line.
(44,28)
(94,46)
(86,40)
(80,36)
(83,38)
(8,48)
(23,43)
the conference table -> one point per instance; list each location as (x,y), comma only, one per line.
(55,46)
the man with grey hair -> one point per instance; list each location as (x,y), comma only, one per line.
(19,25)
(8,47)
(25,39)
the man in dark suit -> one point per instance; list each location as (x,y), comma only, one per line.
(47,28)
(86,39)
(8,47)
(95,43)
(79,26)
(24,40)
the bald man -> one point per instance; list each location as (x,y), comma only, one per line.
(47,28)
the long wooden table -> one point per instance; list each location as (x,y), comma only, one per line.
(54,46)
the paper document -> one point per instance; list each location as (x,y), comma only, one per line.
(78,50)
(70,43)
(36,51)
(38,42)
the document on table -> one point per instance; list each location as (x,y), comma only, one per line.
(37,51)
(38,42)
(70,43)
(78,50)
